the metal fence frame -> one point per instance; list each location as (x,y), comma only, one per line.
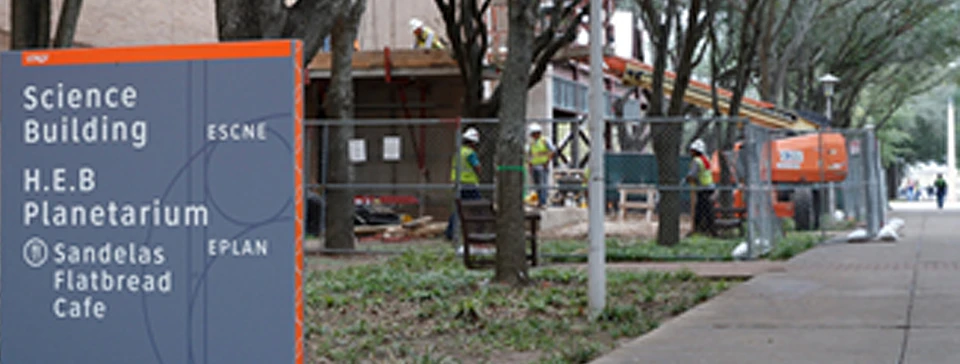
(863,190)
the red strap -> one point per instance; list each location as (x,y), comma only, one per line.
(387,74)
(706,163)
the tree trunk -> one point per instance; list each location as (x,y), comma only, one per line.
(660,26)
(30,24)
(746,52)
(666,144)
(43,23)
(340,211)
(668,136)
(511,262)
(67,26)
(238,19)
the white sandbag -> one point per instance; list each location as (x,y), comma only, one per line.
(838,216)
(740,252)
(888,233)
(896,224)
(858,235)
(760,247)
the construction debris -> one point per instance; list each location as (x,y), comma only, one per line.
(415,223)
(422,227)
(430,230)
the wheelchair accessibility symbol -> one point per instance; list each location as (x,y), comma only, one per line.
(35,252)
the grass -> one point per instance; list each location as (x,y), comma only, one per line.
(833,225)
(793,244)
(424,307)
(693,248)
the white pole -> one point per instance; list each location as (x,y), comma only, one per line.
(597,279)
(831,188)
(951,150)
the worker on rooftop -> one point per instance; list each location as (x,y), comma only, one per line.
(424,36)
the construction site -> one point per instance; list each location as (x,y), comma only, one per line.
(409,107)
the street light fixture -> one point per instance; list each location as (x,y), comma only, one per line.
(829,81)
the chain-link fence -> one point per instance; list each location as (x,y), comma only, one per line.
(395,172)
(821,180)
(757,183)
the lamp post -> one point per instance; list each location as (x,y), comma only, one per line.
(828,81)
(951,148)
(596,260)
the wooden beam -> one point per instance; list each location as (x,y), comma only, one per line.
(399,58)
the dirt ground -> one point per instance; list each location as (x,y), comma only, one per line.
(630,227)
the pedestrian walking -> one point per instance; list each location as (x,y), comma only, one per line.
(941,185)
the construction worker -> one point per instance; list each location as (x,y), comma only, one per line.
(700,176)
(468,164)
(941,185)
(424,37)
(539,154)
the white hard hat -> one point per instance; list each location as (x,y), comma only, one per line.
(415,23)
(699,146)
(535,128)
(472,135)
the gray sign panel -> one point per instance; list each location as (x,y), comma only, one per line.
(150,206)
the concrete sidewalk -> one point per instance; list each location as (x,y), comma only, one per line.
(847,303)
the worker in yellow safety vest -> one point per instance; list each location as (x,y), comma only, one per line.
(539,154)
(701,177)
(424,36)
(465,168)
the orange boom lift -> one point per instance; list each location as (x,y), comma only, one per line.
(795,160)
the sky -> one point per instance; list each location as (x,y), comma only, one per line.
(623,45)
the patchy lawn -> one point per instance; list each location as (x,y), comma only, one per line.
(424,307)
(692,248)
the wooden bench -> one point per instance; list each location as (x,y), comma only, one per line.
(649,205)
(478,223)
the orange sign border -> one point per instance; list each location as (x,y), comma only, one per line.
(158,53)
(298,193)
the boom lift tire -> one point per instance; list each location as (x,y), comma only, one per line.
(803,209)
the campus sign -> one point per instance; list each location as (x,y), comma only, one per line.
(151,204)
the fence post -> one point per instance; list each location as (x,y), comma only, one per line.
(851,210)
(324,166)
(870,169)
(881,191)
(757,197)
(305,173)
